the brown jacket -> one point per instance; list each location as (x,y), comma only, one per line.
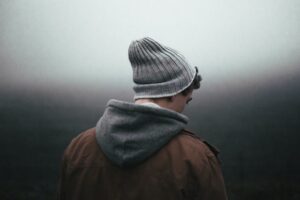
(185,168)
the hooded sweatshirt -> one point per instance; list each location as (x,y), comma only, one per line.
(129,133)
(140,152)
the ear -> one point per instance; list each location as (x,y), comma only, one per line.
(169,99)
(172,98)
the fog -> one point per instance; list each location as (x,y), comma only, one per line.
(61,61)
(58,43)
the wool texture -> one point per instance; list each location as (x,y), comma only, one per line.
(158,71)
(129,133)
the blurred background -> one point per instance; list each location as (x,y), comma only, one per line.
(61,61)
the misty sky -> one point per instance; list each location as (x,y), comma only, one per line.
(59,43)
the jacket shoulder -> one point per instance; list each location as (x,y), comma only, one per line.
(82,144)
(84,137)
(212,148)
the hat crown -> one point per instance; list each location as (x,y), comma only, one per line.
(158,70)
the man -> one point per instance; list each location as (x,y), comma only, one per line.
(140,150)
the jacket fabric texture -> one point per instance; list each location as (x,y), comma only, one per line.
(138,152)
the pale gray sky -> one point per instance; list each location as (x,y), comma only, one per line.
(84,42)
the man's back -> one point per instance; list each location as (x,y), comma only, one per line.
(140,150)
(185,168)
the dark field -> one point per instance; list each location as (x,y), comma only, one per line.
(256,128)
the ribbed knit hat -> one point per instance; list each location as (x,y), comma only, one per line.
(158,71)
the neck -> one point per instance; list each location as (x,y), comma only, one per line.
(141,101)
(162,102)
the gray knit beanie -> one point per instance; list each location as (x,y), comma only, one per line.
(158,71)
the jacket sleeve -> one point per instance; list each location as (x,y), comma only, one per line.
(206,180)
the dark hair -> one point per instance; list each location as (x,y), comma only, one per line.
(195,84)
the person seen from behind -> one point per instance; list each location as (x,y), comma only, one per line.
(141,150)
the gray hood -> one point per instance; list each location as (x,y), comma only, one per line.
(129,133)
